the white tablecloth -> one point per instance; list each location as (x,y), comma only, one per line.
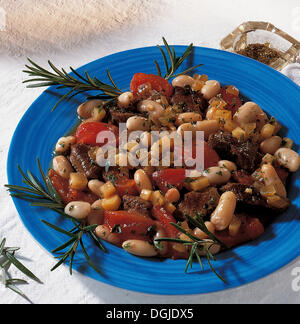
(74,32)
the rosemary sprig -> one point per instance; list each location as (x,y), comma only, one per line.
(41,77)
(77,83)
(45,196)
(8,258)
(196,246)
(174,61)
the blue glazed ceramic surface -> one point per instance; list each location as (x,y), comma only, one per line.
(40,129)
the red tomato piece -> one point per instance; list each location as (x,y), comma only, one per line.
(254,228)
(126,186)
(233,102)
(282,174)
(67,194)
(168,178)
(157,83)
(211,158)
(76,195)
(165,218)
(132,225)
(87,133)
(250,230)
(60,184)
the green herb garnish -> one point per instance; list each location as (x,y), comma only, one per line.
(8,258)
(41,77)
(117,229)
(174,61)
(197,246)
(45,196)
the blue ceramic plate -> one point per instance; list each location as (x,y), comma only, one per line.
(40,128)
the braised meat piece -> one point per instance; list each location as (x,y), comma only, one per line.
(118,116)
(189,100)
(247,155)
(82,162)
(137,204)
(249,199)
(202,203)
(114,174)
(221,142)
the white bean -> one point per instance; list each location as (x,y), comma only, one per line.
(271,145)
(64,144)
(139,248)
(223,214)
(172,195)
(183,81)
(188,118)
(146,139)
(154,109)
(210,113)
(217,175)
(187,127)
(62,166)
(78,209)
(85,110)
(271,178)
(200,234)
(125,99)
(230,166)
(212,247)
(104,233)
(211,89)
(137,123)
(288,158)
(96,216)
(142,180)
(94,186)
(164,246)
(208,127)
(250,112)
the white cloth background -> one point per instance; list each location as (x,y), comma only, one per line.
(74,32)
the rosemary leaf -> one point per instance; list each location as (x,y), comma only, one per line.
(88,258)
(60,230)
(21,267)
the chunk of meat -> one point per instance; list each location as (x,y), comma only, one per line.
(114,173)
(82,162)
(243,177)
(221,142)
(202,203)
(118,116)
(190,101)
(137,205)
(248,198)
(247,155)
(243,196)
